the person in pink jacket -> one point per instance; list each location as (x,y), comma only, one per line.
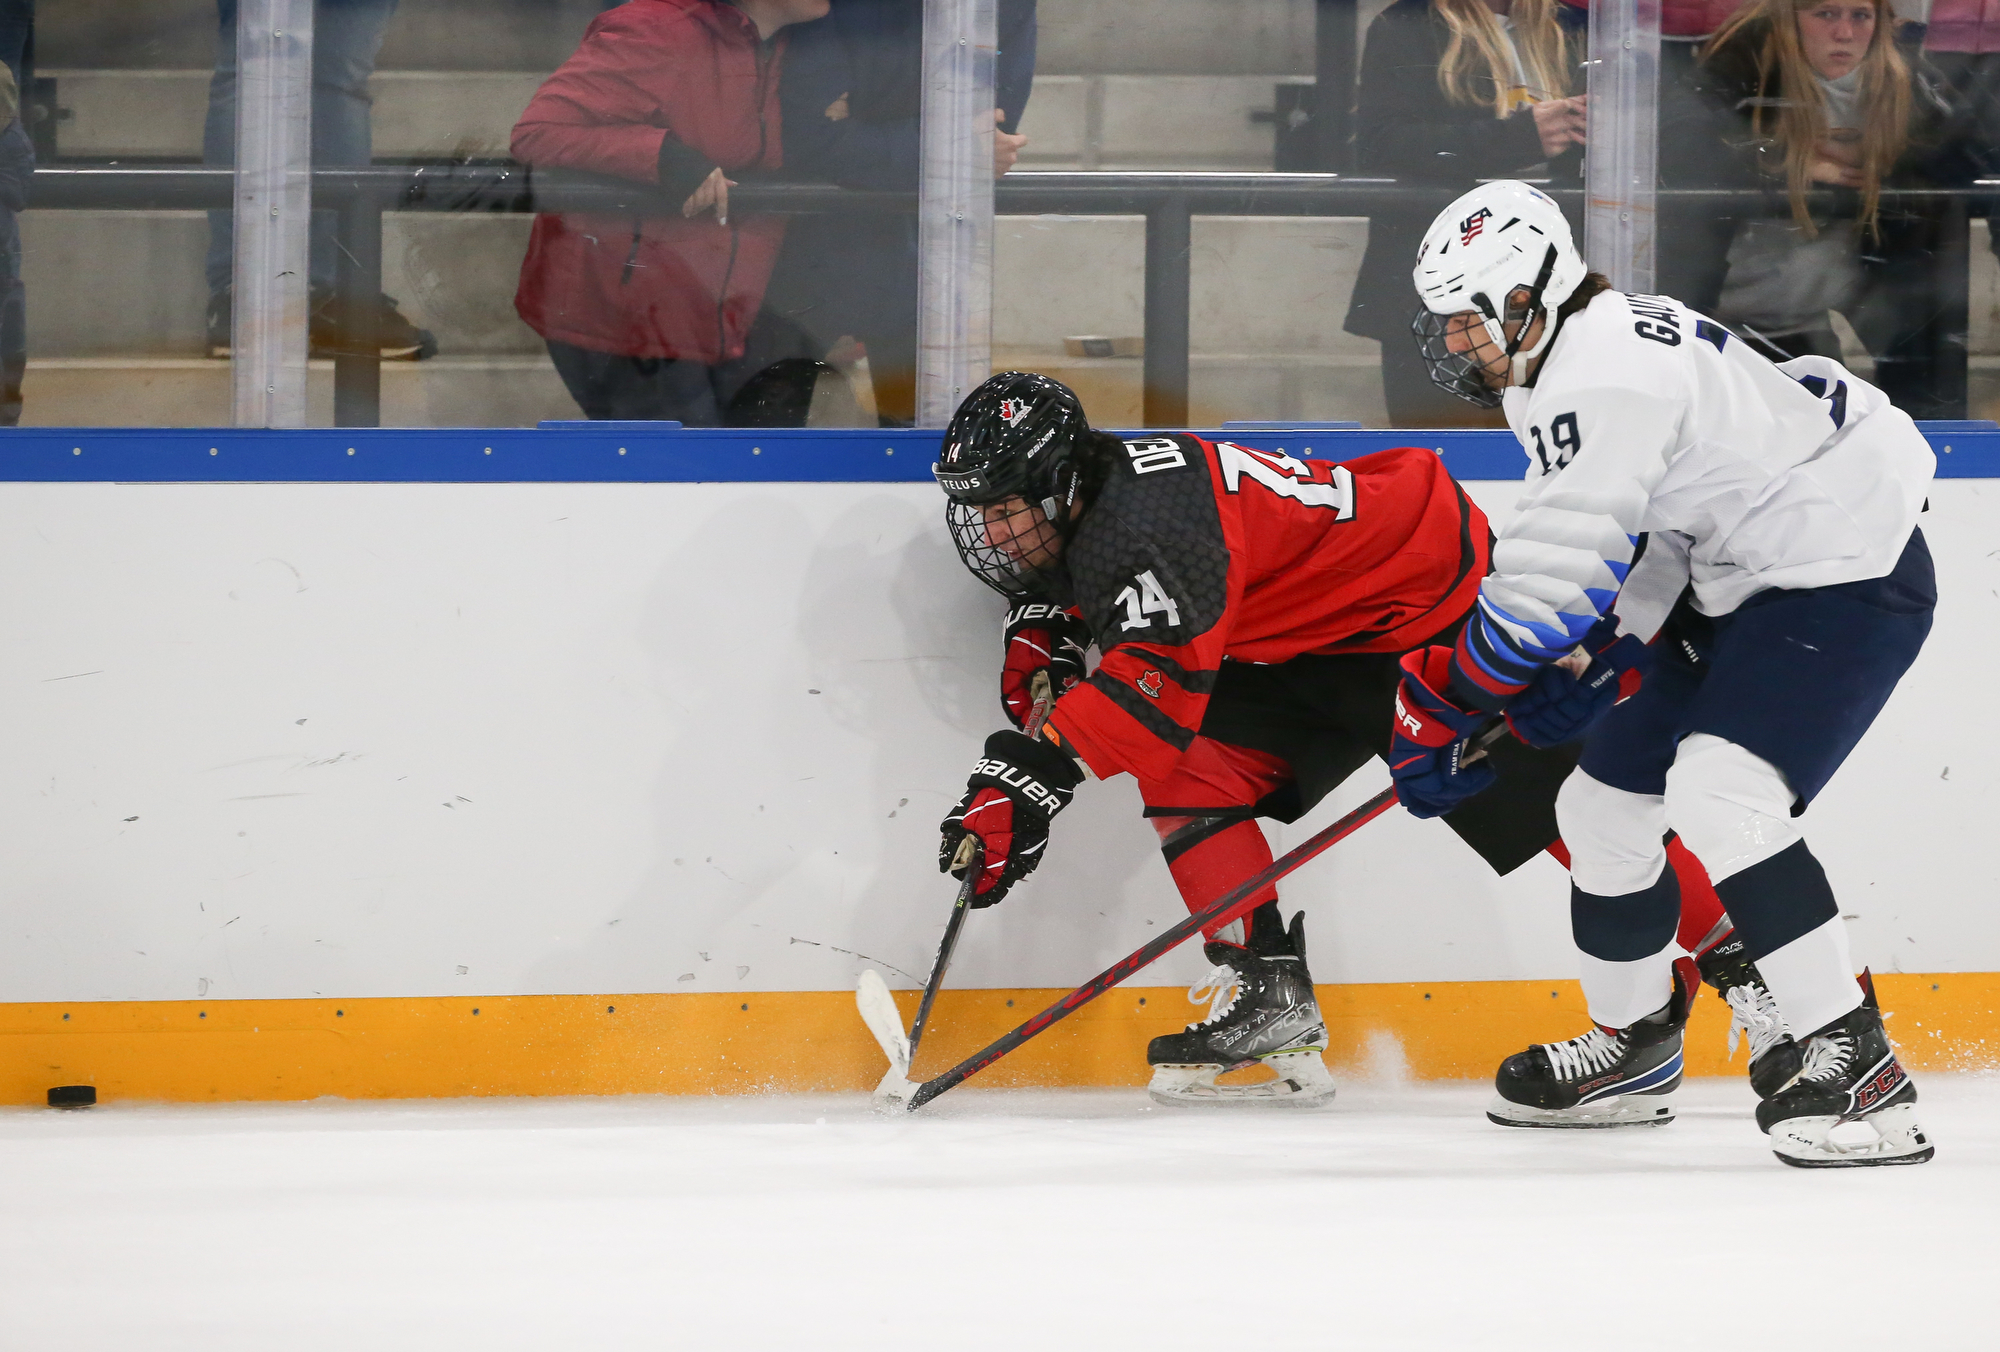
(660,316)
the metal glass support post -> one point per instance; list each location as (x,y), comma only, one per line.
(1620,176)
(357,366)
(1169,244)
(955,207)
(273,211)
(1336,40)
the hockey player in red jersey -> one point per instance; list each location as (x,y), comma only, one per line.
(1250,609)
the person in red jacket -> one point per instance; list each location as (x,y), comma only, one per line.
(661,316)
(1251,611)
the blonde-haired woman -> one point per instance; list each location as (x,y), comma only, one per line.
(1453,91)
(1814,101)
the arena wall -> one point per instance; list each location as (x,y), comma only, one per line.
(441,788)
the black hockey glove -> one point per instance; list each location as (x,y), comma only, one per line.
(1013,794)
(1040,636)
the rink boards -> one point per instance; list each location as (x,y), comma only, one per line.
(404,788)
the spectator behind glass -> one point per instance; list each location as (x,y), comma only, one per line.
(1816,98)
(347,35)
(1453,91)
(17,166)
(662,316)
(852,92)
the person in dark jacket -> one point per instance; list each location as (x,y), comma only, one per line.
(851,94)
(1453,91)
(1817,106)
(17,168)
(662,316)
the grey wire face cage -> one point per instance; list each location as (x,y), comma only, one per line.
(1016,436)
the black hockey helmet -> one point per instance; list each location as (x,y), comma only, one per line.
(1019,435)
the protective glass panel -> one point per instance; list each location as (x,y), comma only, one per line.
(587,214)
(1821,165)
(105,291)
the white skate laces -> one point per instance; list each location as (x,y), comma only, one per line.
(1826,1056)
(1752,1011)
(1220,988)
(1594,1052)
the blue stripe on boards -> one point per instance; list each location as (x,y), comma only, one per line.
(582,452)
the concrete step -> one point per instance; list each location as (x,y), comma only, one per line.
(1073,121)
(1128,37)
(158,114)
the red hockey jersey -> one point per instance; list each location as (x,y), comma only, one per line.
(1197,551)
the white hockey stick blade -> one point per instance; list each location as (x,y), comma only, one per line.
(884,1020)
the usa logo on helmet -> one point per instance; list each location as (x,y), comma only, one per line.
(1013,411)
(1471,227)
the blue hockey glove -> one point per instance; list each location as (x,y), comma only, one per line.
(1559,706)
(1427,752)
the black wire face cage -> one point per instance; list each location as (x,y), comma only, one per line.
(1029,544)
(1458,373)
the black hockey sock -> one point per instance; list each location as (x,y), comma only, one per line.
(1628,928)
(1778,900)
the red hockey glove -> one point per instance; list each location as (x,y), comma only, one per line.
(1427,752)
(1559,706)
(1014,793)
(1040,636)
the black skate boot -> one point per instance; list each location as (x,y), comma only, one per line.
(1774,1056)
(1609,1077)
(1263,1011)
(1852,1104)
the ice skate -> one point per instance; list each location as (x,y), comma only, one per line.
(1852,1104)
(1774,1056)
(1262,1012)
(1609,1077)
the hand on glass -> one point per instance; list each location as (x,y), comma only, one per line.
(712,194)
(1561,123)
(1006,148)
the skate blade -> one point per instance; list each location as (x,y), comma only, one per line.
(1817,1142)
(1302,1082)
(1630,1111)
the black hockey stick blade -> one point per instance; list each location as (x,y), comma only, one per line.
(1221,911)
(969,855)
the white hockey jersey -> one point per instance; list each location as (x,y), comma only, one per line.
(1647,419)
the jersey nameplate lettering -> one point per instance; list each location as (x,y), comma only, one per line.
(1313,483)
(1657,320)
(1155,453)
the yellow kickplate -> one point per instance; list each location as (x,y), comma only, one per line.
(437,1047)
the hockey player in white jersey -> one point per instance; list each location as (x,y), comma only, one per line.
(1758,525)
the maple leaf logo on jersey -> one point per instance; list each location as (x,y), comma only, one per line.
(1472,226)
(1152,683)
(1013,411)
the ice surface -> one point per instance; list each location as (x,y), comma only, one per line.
(1397,1218)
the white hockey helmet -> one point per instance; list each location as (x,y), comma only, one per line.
(1499,238)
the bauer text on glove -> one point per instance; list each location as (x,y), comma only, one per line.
(1040,636)
(1012,795)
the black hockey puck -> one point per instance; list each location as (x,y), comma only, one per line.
(73,1096)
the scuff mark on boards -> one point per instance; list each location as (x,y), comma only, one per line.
(863,956)
(75,675)
(253,797)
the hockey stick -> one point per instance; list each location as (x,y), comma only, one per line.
(871,995)
(1221,911)
(968,856)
